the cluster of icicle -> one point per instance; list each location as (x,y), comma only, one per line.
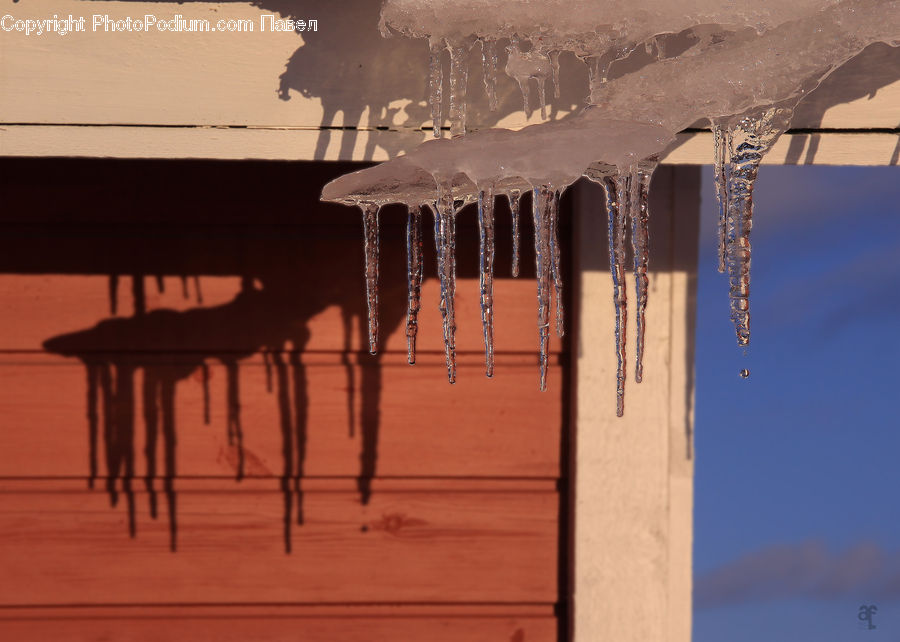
(743,66)
(545,205)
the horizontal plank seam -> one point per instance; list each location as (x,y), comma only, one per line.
(269,616)
(811,130)
(277,491)
(437,478)
(299,128)
(690,130)
(8,607)
(364,353)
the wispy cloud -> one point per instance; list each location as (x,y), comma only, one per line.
(805,570)
(854,284)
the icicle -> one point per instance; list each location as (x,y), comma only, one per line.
(445,241)
(554,72)
(413,278)
(525,65)
(515,200)
(370,233)
(555,263)
(744,167)
(542,199)
(515,56)
(593,75)
(720,135)
(748,141)
(661,47)
(459,76)
(542,97)
(486,274)
(640,244)
(436,88)
(526,95)
(489,60)
(598,67)
(616,205)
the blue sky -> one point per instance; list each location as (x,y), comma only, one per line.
(797,517)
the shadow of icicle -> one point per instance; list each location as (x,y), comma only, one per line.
(258,317)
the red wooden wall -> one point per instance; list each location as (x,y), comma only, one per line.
(168,325)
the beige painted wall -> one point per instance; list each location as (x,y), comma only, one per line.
(633,501)
(269,95)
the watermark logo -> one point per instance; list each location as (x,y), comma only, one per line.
(103,23)
(866,616)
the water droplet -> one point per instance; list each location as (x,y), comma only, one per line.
(745,373)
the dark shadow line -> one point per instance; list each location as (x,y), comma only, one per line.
(151,427)
(565,487)
(814,130)
(301,403)
(103,605)
(477,478)
(93,380)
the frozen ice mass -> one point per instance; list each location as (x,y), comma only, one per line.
(741,66)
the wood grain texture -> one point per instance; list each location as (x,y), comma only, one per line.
(344,74)
(375,500)
(210,325)
(441,623)
(417,425)
(287,95)
(108,272)
(831,147)
(420,545)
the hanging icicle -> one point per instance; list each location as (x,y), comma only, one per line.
(555,263)
(514,56)
(486,273)
(617,190)
(542,96)
(523,66)
(459,77)
(436,86)
(515,201)
(740,152)
(554,71)
(640,244)
(413,279)
(489,61)
(370,233)
(721,138)
(744,166)
(541,199)
(445,241)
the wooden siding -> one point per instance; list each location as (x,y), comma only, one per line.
(149,309)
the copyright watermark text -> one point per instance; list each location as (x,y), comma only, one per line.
(103,23)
